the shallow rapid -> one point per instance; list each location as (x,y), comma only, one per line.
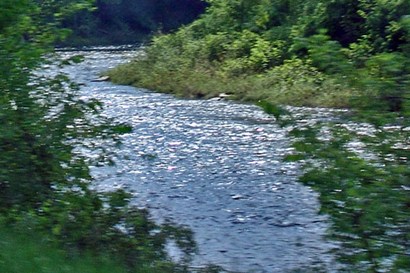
(214,166)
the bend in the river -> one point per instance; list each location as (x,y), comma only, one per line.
(214,166)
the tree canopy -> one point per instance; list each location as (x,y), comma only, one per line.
(131,21)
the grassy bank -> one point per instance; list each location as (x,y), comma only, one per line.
(310,53)
(22,253)
(293,83)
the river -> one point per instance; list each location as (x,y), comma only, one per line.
(215,167)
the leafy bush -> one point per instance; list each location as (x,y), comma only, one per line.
(31,253)
(45,186)
(238,39)
(364,190)
(103,225)
(299,83)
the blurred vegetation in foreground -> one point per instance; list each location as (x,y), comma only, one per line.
(50,218)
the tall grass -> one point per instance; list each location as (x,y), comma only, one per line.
(293,83)
(29,253)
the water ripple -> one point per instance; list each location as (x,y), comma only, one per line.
(216,167)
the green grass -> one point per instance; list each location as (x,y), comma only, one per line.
(29,253)
(291,84)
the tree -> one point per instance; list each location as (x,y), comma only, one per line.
(44,183)
(32,142)
(119,22)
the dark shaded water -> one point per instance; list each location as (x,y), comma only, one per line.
(214,166)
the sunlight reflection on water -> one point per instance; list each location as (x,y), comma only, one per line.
(214,166)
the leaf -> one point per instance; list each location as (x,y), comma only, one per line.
(294,157)
(73,60)
(272,109)
(122,129)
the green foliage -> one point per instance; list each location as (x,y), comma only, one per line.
(364,190)
(271,109)
(11,11)
(44,182)
(326,54)
(343,53)
(121,22)
(32,143)
(103,225)
(249,52)
(385,80)
(30,253)
(299,83)
(238,39)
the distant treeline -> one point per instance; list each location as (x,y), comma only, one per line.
(129,21)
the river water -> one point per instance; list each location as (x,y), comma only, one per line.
(215,167)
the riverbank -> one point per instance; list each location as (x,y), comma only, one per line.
(313,53)
(295,83)
(28,251)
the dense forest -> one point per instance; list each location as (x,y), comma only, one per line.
(126,22)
